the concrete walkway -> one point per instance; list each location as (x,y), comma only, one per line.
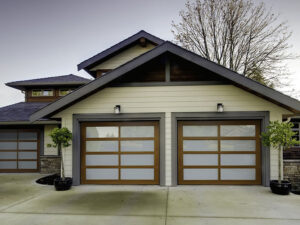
(22,201)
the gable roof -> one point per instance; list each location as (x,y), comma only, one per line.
(68,80)
(237,79)
(86,64)
(20,111)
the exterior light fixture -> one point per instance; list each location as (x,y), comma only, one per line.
(117,109)
(220,107)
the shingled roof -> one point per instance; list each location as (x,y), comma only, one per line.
(64,80)
(20,111)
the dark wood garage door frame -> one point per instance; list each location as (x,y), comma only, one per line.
(219,153)
(84,153)
(17,150)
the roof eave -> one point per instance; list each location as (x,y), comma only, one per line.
(281,99)
(24,86)
(39,122)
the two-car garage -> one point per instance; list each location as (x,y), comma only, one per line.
(208,152)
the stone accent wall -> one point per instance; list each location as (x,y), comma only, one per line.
(50,164)
(291,171)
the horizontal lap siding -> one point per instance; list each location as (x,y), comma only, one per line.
(47,140)
(171,99)
(124,57)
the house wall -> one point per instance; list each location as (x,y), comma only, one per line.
(168,99)
(124,57)
(47,140)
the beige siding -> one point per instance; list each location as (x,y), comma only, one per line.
(171,99)
(47,140)
(123,57)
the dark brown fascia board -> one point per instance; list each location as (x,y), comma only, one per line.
(121,45)
(242,81)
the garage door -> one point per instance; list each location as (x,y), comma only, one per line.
(219,152)
(120,153)
(19,150)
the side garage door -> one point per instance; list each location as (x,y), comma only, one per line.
(19,150)
(219,152)
(120,153)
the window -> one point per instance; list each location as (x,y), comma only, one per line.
(296,128)
(42,93)
(63,92)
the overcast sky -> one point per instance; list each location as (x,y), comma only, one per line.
(41,38)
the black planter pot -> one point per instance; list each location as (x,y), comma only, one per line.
(282,188)
(63,185)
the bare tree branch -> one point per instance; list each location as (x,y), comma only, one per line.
(237,34)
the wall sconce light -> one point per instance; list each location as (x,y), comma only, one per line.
(117,109)
(220,107)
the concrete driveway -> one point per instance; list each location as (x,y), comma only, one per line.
(22,201)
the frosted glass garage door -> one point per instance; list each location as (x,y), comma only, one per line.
(219,152)
(120,153)
(19,150)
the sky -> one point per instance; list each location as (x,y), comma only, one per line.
(42,38)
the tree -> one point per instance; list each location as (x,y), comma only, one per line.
(238,34)
(61,138)
(280,136)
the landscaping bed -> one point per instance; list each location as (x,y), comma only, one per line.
(48,180)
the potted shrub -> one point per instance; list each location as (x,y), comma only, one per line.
(279,136)
(61,138)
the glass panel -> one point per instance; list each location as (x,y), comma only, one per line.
(8,155)
(238,174)
(102,174)
(9,136)
(238,145)
(8,165)
(137,174)
(200,131)
(200,159)
(27,164)
(27,155)
(137,160)
(102,160)
(200,145)
(28,145)
(47,93)
(63,92)
(137,146)
(200,174)
(238,159)
(238,130)
(102,132)
(8,145)
(137,131)
(36,93)
(102,146)
(28,136)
